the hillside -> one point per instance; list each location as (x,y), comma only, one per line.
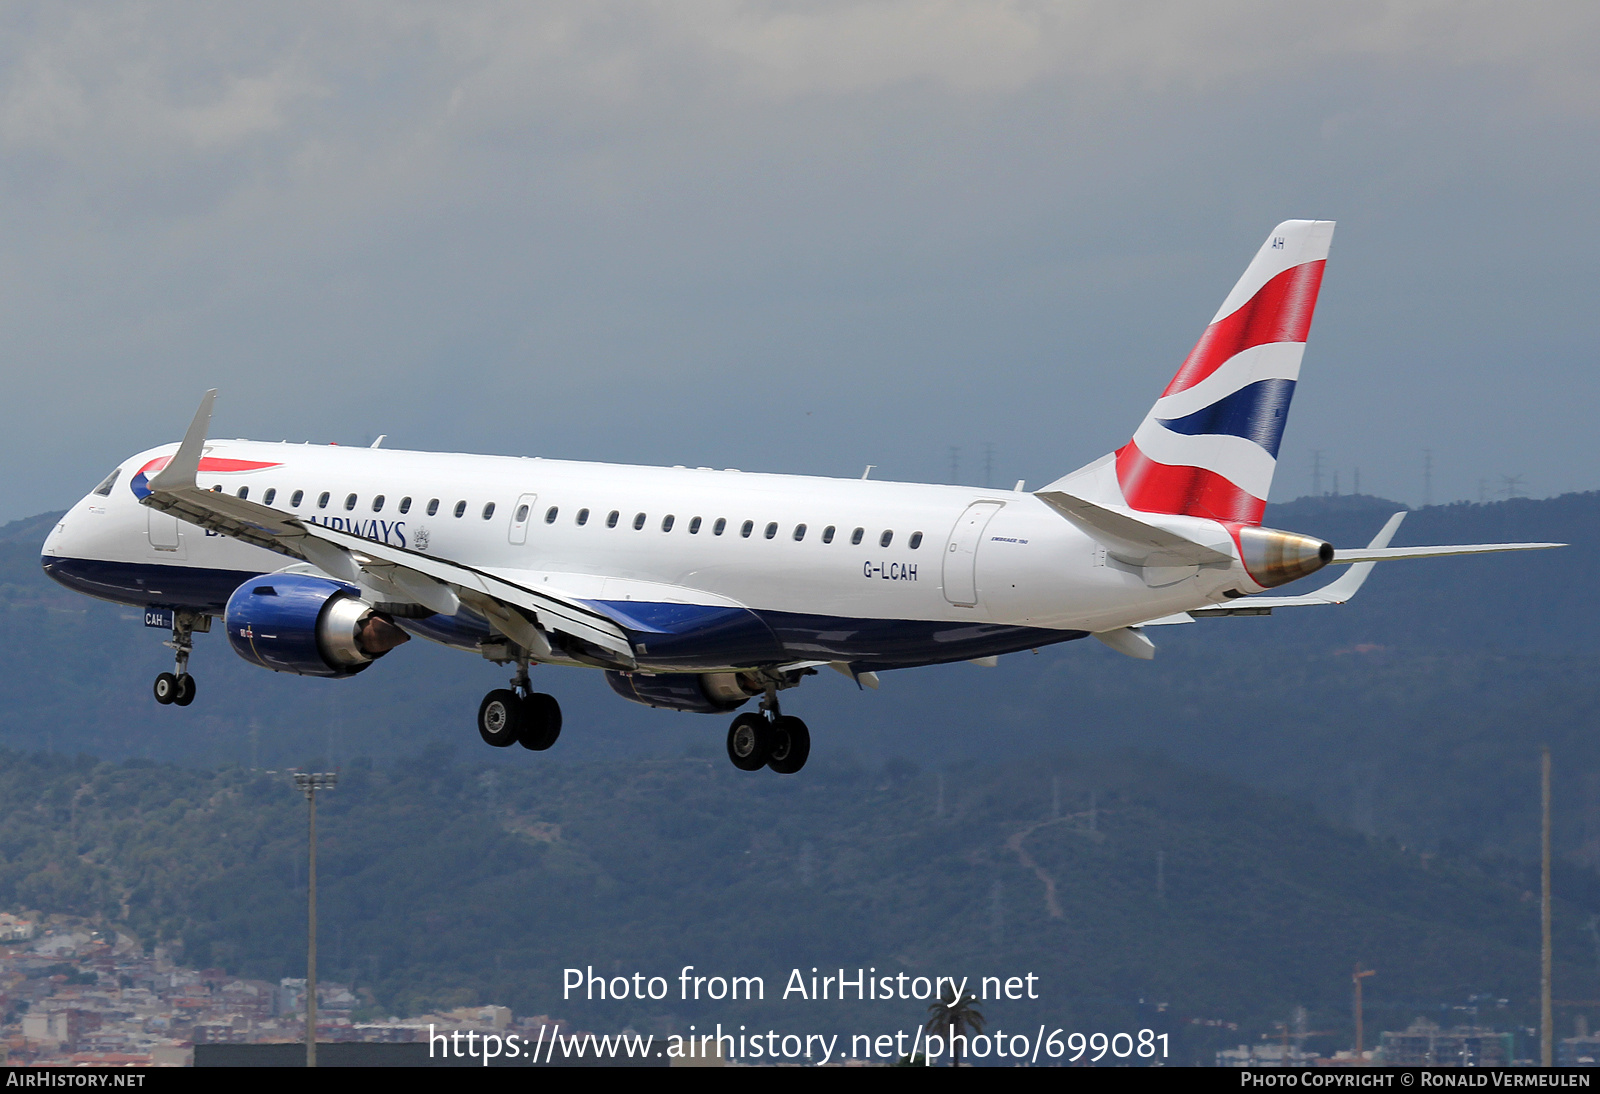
(442,884)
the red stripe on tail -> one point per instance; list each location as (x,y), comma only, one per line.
(1191,491)
(1280,311)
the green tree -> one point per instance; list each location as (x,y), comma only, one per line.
(951,1018)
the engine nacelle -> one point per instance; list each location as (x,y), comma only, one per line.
(697,692)
(1276,558)
(307,625)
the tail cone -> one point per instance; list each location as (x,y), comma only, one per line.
(1276,558)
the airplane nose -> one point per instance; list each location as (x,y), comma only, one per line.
(53,542)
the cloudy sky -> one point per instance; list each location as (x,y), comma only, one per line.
(793,237)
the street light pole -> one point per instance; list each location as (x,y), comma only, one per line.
(1546,1020)
(308,783)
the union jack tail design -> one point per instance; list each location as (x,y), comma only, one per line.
(1210,444)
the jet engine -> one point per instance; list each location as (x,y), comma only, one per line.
(696,692)
(307,625)
(1276,558)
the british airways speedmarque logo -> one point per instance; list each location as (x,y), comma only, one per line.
(140,483)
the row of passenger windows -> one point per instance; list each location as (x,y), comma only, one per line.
(350,500)
(718,527)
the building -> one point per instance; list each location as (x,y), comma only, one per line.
(1425,1044)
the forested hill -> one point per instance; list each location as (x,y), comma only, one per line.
(1116,881)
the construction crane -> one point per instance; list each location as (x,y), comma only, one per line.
(1356,977)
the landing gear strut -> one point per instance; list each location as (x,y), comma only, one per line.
(519,715)
(769,739)
(177,687)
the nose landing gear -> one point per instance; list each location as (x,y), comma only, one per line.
(177,688)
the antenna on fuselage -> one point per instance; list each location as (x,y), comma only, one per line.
(868,472)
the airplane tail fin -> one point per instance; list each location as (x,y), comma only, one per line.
(1209,446)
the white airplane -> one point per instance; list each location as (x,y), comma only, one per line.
(698,589)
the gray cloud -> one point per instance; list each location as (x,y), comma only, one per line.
(789,237)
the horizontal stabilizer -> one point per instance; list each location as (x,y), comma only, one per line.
(1391,554)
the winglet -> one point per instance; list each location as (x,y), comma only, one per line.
(184,465)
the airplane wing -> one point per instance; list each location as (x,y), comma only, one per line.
(519,612)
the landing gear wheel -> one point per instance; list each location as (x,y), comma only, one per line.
(166,688)
(749,742)
(185,694)
(541,722)
(500,717)
(791,744)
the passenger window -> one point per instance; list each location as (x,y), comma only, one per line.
(522,514)
(217,489)
(405,504)
(772,529)
(377,504)
(855,537)
(550,514)
(104,489)
(611,518)
(272,492)
(349,502)
(583,517)
(883,540)
(666,522)
(720,527)
(746,528)
(638,521)
(799,532)
(244,493)
(461,509)
(488,510)
(916,540)
(433,506)
(296,498)
(694,526)
(322,500)
(827,534)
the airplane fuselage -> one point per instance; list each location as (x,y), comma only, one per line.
(865,572)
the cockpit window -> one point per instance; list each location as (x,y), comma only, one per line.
(104,489)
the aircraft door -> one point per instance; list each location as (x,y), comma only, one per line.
(961,553)
(521,516)
(165,538)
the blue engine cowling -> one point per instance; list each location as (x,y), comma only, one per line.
(308,625)
(696,692)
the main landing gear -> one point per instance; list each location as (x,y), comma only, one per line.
(519,715)
(177,687)
(769,739)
